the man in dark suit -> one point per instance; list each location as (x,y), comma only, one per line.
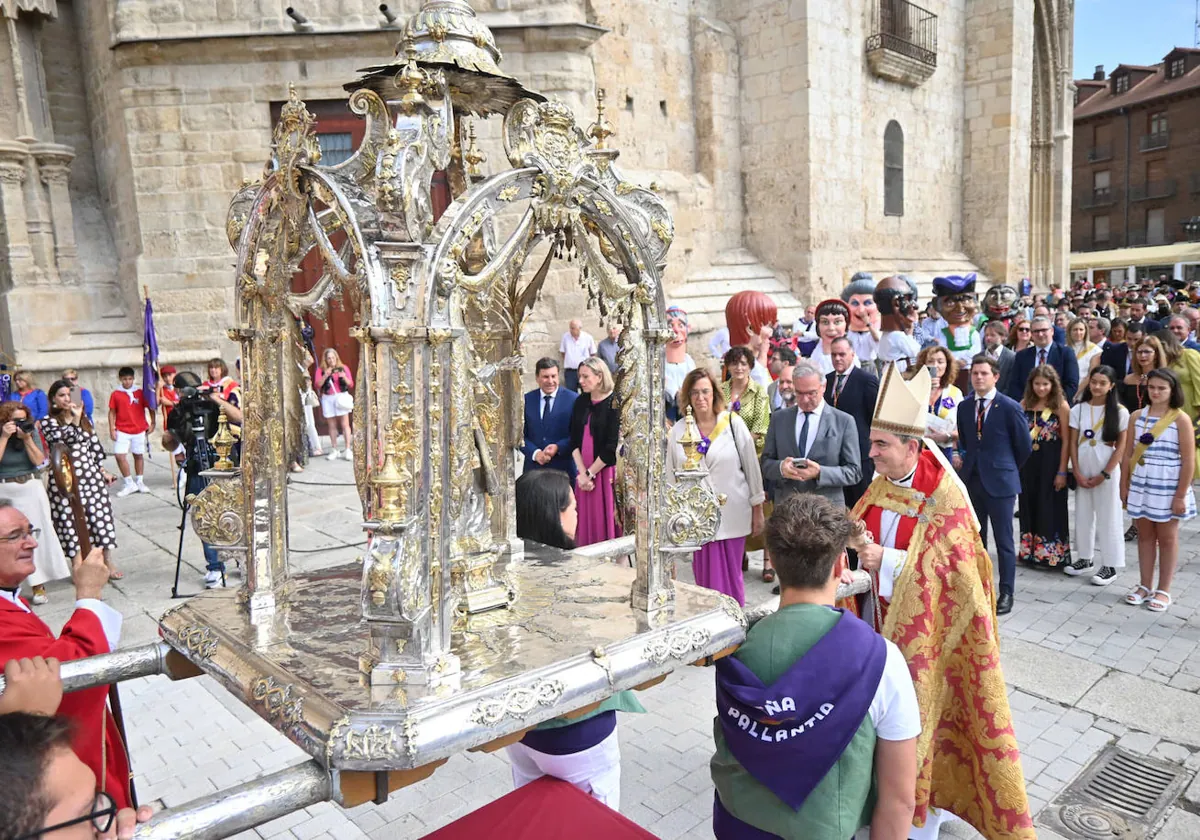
(548,422)
(853,390)
(994,437)
(1043,351)
(1119,354)
(994,336)
(813,447)
(1137,315)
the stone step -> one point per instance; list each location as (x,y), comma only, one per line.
(735,256)
(739,272)
(96,338)
(697,288)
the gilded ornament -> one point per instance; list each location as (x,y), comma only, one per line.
(661,231)
(381,573)
(216,512)
(517,702)
(509,193)
(603,206)
(693,514)
(282,703)
(374,743)
(199,639)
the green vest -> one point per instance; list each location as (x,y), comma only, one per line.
(843,801)
(622,701)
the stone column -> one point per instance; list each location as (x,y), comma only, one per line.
(999,109)
(54,166)
(23,270)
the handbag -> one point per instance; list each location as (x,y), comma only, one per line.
(344,401)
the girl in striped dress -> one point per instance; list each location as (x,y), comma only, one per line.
(1156,484)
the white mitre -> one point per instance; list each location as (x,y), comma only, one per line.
(902,406)
(902,409)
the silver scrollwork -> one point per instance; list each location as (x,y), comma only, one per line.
(517,702)
(279,702)
(676,645)
(199,640)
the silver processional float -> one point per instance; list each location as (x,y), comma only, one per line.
(449,634)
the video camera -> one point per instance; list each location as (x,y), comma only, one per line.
(194,418)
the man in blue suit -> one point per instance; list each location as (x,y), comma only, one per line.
(548,422)
(994,437)
(1043,351)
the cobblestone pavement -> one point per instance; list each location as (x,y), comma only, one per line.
(1084,671)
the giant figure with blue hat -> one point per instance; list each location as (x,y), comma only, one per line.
(954,296)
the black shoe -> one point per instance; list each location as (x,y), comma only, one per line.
(1131,534)
(1004,603)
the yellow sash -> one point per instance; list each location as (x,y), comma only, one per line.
(1096,428)
(1139,451)
(1035,431)
(1087,348)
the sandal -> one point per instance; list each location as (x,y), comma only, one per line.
(768,575)
(1136,598)
(116,575)
(1155,605)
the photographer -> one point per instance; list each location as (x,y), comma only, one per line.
(334,385)
(191,428)
(20,458)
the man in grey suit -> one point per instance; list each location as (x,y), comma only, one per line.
(994,336)
(812,448)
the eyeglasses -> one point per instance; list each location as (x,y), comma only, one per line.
(104,812)
(1022,329)
(21,536)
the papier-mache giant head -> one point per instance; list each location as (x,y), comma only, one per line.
(746,313)
(896,299)
(955,299)
(833,319)
(677,322)
(859,297)
(1000,302)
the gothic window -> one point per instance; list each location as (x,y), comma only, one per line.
(893,170)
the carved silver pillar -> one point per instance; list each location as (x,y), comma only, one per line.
(54,166)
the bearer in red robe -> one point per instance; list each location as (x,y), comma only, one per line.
(93,628)
(935,601)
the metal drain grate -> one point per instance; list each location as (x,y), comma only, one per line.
(1120,795)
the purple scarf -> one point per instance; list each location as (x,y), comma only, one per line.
(790,734)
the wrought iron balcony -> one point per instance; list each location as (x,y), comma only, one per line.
(1157,140)
(1099,153)
(1137,238)
(1099,197)
(1153,189)
(1099,243)
(903,47)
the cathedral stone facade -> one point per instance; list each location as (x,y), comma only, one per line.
(796,141)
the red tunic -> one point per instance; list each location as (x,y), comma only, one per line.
(97,741)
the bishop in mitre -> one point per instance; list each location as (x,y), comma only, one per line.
(932,578)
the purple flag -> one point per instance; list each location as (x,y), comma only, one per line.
(149,360)
(789,734)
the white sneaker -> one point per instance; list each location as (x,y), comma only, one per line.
(212,580)
(333,455)
(38,600)
(349,455)
(142,488)
(128,490)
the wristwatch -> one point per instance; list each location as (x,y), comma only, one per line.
(1107,476)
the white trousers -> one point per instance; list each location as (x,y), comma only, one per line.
(1099,523)
(596,770)
(310,427)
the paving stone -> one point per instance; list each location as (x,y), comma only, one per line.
(1180,825)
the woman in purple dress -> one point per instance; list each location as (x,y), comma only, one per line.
(595,428)
(733,470)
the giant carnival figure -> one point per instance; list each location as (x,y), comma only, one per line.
(954,297)
(1000,303)
(896,299)
(833,319)
(746,314)
(678,362)
(863,332)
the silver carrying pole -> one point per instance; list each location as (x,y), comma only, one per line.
(108,668)
(228,812)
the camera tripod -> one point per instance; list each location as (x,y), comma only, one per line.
(199,456)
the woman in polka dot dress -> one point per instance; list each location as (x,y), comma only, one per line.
(67,424)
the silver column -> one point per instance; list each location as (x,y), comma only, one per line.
(228,812)
(108,668)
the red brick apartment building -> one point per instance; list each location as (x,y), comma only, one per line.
(1136,168)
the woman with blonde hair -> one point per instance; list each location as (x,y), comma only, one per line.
(1085,351)
(595,430)
(25,390)
(20,457)
(727,450)
(335,386)
(944,395)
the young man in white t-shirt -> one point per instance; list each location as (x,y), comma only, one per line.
(576,345)
(816,713)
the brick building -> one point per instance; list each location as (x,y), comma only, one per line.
(1137,156)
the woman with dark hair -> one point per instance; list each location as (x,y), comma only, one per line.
(745,397)
(67,424)
(1145,357)
(595,430)
(1045,524)
(728,452)
(944,395)
(1156,484)
(20,458)
(1097,441)
(583,751)
(546,508)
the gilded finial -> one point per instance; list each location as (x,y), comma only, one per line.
(410,80)
(690,442)
(600,130)
(223,442)
(473,156)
